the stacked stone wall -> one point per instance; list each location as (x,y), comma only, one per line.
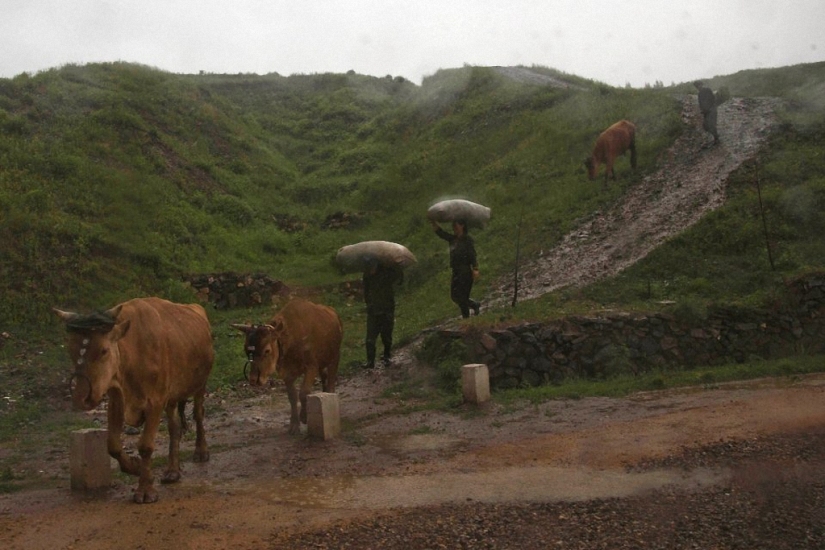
(234,290)
(243,290)
(599,346)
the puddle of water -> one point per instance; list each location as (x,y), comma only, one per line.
(520,484)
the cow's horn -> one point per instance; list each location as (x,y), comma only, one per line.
(115,311)
(242,328)
(65,315)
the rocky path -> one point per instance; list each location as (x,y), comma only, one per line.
(689,182)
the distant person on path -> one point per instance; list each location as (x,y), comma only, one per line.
(379,295)
(464,265)
(707,104)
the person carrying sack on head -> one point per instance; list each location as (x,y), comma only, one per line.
(464,265)
(379,295)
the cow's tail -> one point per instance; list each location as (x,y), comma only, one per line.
(182,414)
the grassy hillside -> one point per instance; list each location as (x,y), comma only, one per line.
(117,179)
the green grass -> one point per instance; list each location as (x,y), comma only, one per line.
(624,385)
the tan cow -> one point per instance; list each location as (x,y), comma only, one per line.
(148,356)
(612,143)
(302,339)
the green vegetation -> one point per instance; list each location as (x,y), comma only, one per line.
(623,385)
(116,180)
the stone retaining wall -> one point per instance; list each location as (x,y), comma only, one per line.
(598,346)
(242,290)
(230,290)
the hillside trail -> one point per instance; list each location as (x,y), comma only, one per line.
(689,181)
(397,453)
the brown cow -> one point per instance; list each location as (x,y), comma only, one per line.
(148,356)
(612,143)
(302,339)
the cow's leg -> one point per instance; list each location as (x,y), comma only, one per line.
(306,388)
(129,465)
(292,393)
(172,473)
(201,449)
(331,371)
(146,492)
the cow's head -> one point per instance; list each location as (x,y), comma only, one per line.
(92,343)
(263,350)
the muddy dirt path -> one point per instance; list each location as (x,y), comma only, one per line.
(261,481)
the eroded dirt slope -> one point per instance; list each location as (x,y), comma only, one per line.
(689,182)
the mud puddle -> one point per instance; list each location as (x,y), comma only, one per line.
(515,484)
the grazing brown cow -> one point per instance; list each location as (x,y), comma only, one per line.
(302,339)
(148,356)
(612,143)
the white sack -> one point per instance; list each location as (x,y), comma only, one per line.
(356,257)
(451,210)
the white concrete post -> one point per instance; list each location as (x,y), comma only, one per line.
(89,462)
(475,383)
(323,415)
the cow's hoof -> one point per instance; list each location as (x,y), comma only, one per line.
(146,496)
(170,477)
(294,429)
(201,456)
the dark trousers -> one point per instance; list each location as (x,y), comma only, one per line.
(379,324)
(460,287)
(709,123)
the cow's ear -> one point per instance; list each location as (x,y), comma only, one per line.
(246,329)
(120,330)
(277,326)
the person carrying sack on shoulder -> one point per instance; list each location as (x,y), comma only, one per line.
(464,265)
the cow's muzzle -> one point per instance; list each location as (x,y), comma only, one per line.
(80,386)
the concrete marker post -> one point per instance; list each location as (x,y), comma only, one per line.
(89,461)
(323,415)
(475,383)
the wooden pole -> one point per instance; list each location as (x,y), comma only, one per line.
(764,220)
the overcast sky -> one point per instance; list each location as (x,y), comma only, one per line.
(612,41)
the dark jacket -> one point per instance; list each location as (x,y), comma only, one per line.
(707,101)
(462,251)
(379,289)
